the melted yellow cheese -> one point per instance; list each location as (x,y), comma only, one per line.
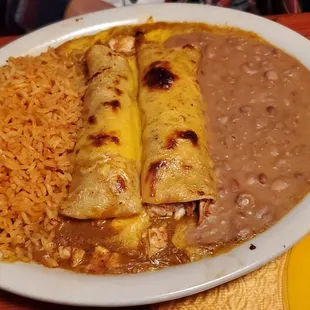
(130,230)
(194,253)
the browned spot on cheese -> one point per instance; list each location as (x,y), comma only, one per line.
(92,120)
(102,138)
(114,104)
(139,36)
(116,81)
(159,76)
(118,91)
(98,73)
(189,46)
(152,175)
(200,193)
(121,184)
(171,143)
(187,167)
(189,135)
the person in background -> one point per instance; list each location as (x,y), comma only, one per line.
(22,16)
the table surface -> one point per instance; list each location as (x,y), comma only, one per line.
(299,22)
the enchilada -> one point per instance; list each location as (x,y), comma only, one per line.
(105,181)
(176,166)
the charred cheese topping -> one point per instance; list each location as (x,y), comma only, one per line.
(176,166)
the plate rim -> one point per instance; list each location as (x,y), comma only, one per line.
(196,274)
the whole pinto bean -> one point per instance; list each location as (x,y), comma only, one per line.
(262,178)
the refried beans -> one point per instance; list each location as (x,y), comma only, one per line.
(257,100)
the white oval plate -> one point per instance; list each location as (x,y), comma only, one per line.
(60,286)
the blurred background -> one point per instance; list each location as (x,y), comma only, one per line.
(22,16)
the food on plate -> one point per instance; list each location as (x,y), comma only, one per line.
(173,131)
(106,176)
(208,128)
